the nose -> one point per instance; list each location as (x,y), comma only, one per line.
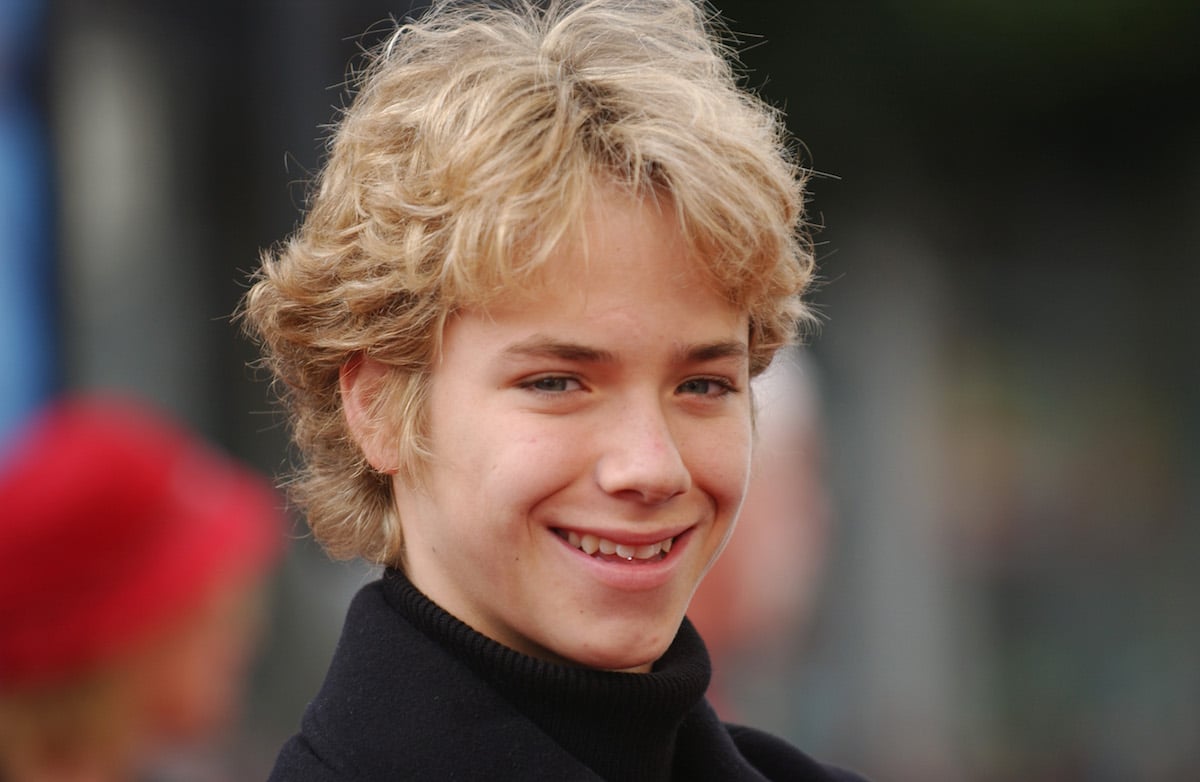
(642,459)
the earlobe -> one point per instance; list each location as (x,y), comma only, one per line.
(361,380)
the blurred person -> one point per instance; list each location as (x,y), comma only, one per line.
(754,602)
(516,328)
(132,556)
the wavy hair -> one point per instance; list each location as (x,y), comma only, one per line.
(476,136)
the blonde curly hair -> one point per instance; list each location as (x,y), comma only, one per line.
(474,142)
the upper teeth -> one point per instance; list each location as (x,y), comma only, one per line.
(590,544)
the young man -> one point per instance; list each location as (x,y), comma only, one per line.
(516,329)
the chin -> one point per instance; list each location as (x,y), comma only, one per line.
(624,662)
(628,652)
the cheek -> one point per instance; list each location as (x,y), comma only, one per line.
(721,466)
(493,468)
(532,467)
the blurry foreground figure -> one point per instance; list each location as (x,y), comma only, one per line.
(756,599)
(131,559)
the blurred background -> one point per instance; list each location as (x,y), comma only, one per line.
(1007,381)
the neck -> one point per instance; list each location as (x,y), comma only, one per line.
(621,725)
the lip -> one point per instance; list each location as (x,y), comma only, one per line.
(629,538)
(638,576)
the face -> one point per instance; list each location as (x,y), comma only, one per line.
(196,674)
(591,445)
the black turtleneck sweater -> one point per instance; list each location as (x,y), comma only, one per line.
(414,694)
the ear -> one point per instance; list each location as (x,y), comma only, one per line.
(361,381)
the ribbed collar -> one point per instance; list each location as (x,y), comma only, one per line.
(621,725)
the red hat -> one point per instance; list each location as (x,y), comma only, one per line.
(114,521)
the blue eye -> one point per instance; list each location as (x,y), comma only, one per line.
(554,384)
(705,386)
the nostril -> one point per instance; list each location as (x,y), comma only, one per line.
(657,497)
(648,486)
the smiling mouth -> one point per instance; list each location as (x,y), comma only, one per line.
(603,548)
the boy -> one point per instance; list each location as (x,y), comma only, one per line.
(516,329)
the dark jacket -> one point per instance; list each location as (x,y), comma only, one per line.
(414,694)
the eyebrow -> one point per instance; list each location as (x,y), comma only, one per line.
(713,351)
(545,347)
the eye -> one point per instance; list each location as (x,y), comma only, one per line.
(552,384)
(706,386)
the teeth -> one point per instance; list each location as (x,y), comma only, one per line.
(591,544)
(645,552)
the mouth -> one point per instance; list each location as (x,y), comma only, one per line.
(603,548)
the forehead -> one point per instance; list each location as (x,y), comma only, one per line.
(623,264)
(617,238)
(627,284)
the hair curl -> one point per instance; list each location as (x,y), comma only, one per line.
(475,139)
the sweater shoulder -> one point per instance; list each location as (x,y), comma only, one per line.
(298,761)
(776,759)
(395,705)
